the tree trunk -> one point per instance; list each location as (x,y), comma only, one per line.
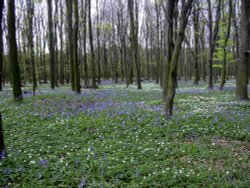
(236,32)
(203,57)
(212,39)
(61,64)
(13,59)
(85,63)
(93,66)
(56,18)
(172,77)
(147,53)
(134,39)
(225,45)
(98,43)
(168,43)
(44,61)
(157,10)
(71,43)
(30,5)
(1,44)
(75,50)
(121,36)
(196,47)
(3,154)
(51,47)
(242,75)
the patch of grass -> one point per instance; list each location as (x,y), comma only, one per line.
(118,137)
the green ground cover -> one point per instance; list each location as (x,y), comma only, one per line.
(118,137)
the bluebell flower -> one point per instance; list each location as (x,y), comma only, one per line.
(104,155)
(83,184)
(77,161)
(43,163)
(7,171)
(117,177)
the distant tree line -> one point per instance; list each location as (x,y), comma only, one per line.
(83,42)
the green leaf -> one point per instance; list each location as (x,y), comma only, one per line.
(217,66)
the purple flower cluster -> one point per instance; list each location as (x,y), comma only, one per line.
(43,163)
(96,107)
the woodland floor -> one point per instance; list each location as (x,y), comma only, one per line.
(118,137)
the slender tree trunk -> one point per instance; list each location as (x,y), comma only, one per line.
(13,59)
(42,52)
(168,44)
(30,5)
(44,62)
(162,34)
(225,45)
(75,50)
(85,63)
(98,43)
(212,39)
(71,43)
(137,48)
(51,47)
(38,53)
(1,44)
(62,75)
(203,57)
(134,39)
(147,53)
(196,47)
(106,75)
(93,66)
(172,77)
(210,57)
(125,60)
(184,51)
(157,9)
(236,37)
(120,34)
(242,75)
(3,154)
(56,18)
(67,64)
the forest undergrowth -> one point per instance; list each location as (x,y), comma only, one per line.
(118,137)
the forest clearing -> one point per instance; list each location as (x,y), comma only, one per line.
(119,137)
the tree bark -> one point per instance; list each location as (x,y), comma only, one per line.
(133,14)
(203,56)
(3,154)
(242,75)
(93,66)
(61,64)
(43,59)
(1,44)
(225,45)
(13,59)
(71,43)
(213,33)
(98,43)
(168,43)
(196,45)
(172,77)
(85,63)
(75,50)
(51,47)
(236,32)
(56,20)
(158,52)
(30,5)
